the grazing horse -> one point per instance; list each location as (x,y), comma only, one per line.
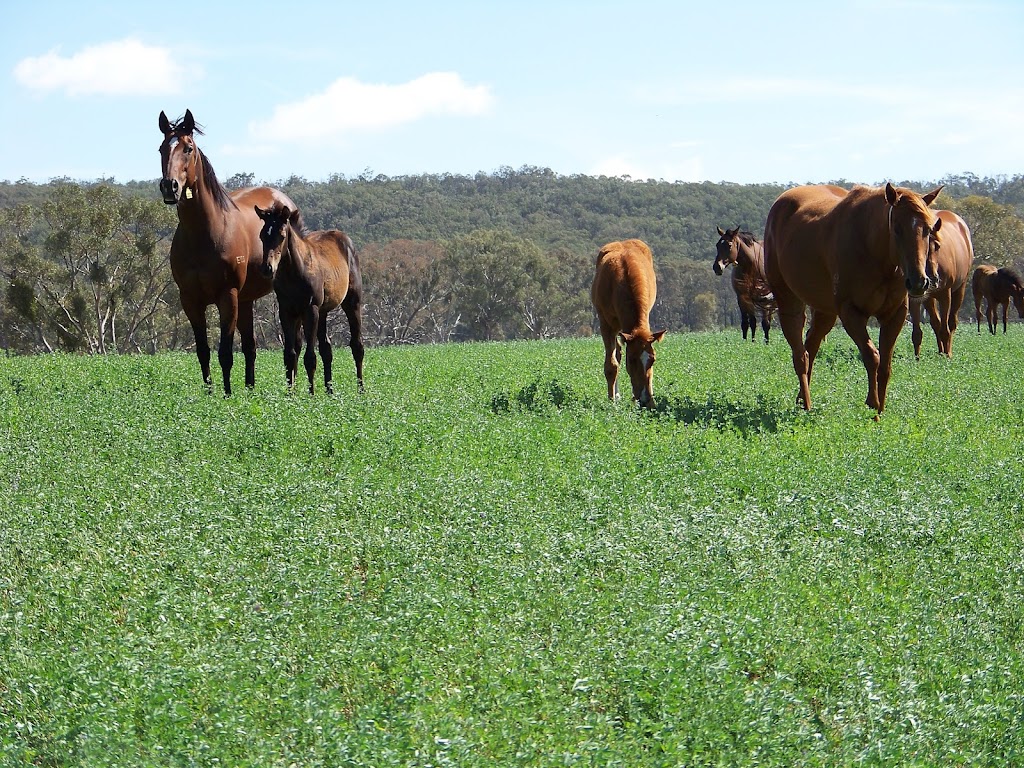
(753,294)
(851,255)
(312,274)
(996,287)
(623,293)
(953,265)
(216,251)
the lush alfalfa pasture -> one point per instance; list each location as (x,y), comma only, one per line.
(480,561)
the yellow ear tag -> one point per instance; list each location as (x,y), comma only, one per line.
(188,193)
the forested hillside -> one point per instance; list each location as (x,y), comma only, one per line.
(491,256)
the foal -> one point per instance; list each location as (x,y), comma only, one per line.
(312,274)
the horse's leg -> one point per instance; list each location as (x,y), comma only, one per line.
(888,331)
(310,323)
(1006,310)
(855,323)
(247,334)
(196,314)
(938,314)
(326,353)
(743,315)
(228,306)
(956,300)
(991,311)
(612,356)
(791,318)
(821,324)
(916,334)
(353,309)
(766,323)
(290,331)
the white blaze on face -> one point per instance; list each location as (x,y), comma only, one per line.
(645,359)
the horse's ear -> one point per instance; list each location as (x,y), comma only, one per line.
(260,212)
(293,216)
(165,124)
(659,335)
(937,226)
(188,123)
(932,195)
(626,337)
(891,195)
(721,232)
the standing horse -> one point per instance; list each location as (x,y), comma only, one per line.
(216,251)
(851,255)
(753,294)
(623,292)
(953,264)
(996,287)
(312,274)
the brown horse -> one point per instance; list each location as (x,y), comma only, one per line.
(953,265)
(753,294)
(623,292)
(216,251)
(851,255)
(312,274)
(996,287)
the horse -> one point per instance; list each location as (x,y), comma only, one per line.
(753,294)
(623,292)
(996,287)
(216,251)
(953,264)
(852,255)
(312,274)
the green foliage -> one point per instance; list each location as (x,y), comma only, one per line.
(482,561)
(108,245)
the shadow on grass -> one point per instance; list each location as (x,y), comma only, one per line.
(720,413)
(715,411)
(537,396)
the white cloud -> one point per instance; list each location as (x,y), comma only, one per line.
(123,67)
(348,106)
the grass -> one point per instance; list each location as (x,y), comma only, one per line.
(480,561)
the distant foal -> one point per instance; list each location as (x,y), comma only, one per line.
(312,274)
(623,292)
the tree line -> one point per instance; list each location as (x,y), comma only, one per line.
(505,255)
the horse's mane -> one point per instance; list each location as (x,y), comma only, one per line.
(1010,275)
(747,237)
(220,194)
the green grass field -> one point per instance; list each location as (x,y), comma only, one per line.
(482,562)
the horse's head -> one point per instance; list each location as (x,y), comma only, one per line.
(179,158)
(727,248)
(640,364)
(277,223)
(914,236)
(1016,288)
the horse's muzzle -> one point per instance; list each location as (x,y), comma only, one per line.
(717,267)
(171,190)
(267,271)
(917,288)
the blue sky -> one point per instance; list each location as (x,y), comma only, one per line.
(746,92)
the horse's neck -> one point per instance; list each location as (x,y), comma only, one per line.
(199,211)
(750,257)
(297,254)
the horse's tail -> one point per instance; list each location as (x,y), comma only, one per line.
(355,275)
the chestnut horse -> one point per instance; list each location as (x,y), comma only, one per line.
(312,274)
(623,292)
(753,294)
(996,287)
(953,264)
(216,251)
(850,255)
